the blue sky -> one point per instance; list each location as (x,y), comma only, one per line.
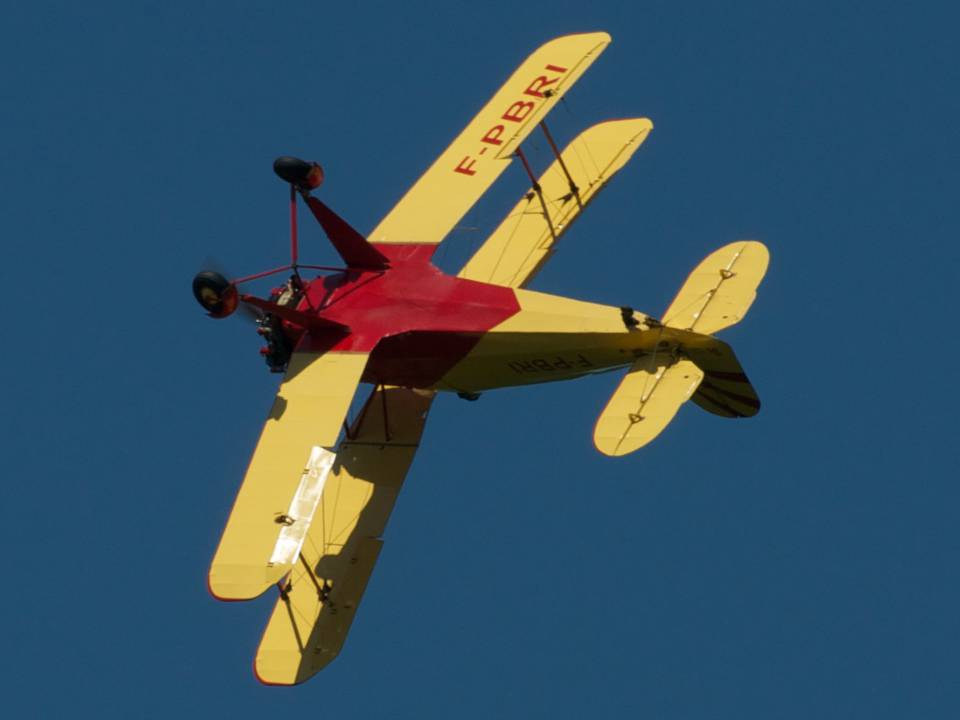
(800,564)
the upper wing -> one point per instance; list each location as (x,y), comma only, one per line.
(286,474)
(525,239)
(313,614)
(483,150)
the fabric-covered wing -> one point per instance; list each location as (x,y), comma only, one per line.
(286,474)
(475,159)
(313,614)
(526,238)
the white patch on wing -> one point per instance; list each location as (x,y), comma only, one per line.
(302,507)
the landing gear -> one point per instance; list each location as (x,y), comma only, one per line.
(215,293)
(469,396)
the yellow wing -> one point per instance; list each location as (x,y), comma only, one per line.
(286,474)
(483,150)
(645,402)
(721,288)
(526,238)
(310,620)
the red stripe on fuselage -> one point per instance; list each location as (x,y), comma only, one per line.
(416,321)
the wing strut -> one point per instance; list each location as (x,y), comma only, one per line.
(386,419)
(523,242)
(535,184)
(574,190)
(322,590)
(538,190)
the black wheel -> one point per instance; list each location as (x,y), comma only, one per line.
(215,293)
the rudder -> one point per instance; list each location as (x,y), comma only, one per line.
(725,390)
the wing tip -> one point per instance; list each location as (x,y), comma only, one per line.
(287,668)
(217,596)
(271,682)
(600,38)
(600,34)
(240,587)
(644,124)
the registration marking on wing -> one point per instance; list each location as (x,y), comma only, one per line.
(302,507)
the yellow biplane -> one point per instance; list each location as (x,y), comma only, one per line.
(312,509)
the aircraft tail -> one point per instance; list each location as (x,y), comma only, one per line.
(687,362)
(725,389)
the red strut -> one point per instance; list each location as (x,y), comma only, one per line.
(293,227)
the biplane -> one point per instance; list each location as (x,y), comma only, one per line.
(309,517)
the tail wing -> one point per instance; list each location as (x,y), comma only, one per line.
(720,290)
(691,363)
(646,401)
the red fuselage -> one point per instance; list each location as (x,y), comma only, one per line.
(416,321)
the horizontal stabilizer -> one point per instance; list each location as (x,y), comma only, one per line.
(720,290)
(645,402)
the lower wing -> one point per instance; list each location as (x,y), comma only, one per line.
(527,237)
(318,600)
(286,475)
(645,402)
